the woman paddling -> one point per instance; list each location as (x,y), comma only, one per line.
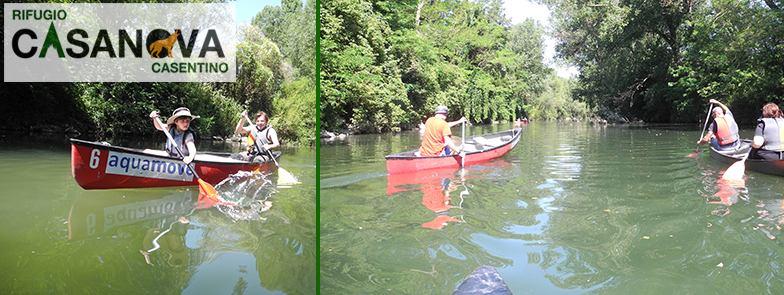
(262,137)
(768,140)
(178,125)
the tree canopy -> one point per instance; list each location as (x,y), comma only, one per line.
(661,61)
(387,64)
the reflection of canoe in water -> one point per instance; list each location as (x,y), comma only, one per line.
(418,180)
(478,149)
(96,215)
(758,165)
(101,166)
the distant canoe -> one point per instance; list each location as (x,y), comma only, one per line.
(758,165)
(478,149)
(97,165)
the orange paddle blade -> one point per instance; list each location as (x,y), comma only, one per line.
(206,189)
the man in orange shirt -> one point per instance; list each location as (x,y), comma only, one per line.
(437,138)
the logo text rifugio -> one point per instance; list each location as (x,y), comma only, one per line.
(158,42)
(119,42)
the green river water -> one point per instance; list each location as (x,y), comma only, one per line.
(57,238)
(573,208)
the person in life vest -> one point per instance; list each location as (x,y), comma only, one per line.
(437,138)
(261,137)
(768,142)
(519,123)
(178,125)
(723,133)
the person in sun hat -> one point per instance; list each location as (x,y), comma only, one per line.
(178,125)
(437,137)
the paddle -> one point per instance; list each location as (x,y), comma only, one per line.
(462,146)
(205,189)
(284,177)
(704,126)
(736,170)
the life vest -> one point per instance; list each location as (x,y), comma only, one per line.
(262,140)
(773,133)
(724,132)
(169,148)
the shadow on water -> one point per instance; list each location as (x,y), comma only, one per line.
(573,208)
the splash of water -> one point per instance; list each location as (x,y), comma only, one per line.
(251,191)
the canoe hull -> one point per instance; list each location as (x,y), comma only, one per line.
(98,166)
(758,165)
(400,163)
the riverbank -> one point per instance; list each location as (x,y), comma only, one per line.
(329,136)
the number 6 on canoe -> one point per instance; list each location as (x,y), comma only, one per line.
(284,177)
(204,187)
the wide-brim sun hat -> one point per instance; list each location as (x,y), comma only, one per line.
(180,112)
(442,110)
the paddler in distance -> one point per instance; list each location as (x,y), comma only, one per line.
(178,125)
(723,134)
(264,137)
(437,138)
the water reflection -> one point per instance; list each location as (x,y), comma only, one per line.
(438,188)
(577,209)
(728,191)
(92,216)
(565,163)
(177,232)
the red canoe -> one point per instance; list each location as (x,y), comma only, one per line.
(478,149)
(97,165)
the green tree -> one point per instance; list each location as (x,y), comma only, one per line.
(259,75)
(662,60)
(403,58)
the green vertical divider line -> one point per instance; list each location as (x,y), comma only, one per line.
(318,146)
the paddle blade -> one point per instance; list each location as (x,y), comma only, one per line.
(285,178)
(207,190)
(694,154)
(736,171)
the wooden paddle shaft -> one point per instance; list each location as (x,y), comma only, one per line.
(704,125)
